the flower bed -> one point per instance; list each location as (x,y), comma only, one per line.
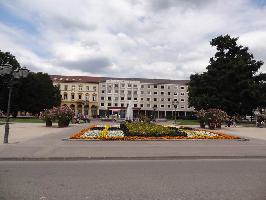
(145,131)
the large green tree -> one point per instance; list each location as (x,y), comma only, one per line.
(31,94)
(232,81)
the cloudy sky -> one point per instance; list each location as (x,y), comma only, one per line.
(127,38)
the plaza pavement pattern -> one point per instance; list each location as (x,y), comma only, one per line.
(37,142)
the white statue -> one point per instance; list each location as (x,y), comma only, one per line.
(129,113)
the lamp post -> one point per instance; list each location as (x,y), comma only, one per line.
(7,69)
(175,104)
(154,109)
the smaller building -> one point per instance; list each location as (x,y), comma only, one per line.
(79,93)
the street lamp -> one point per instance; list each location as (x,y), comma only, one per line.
(7,69)
(154,109)
(175,104)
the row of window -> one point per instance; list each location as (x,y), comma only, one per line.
(142,99)
(80,88)
(141,105)
(129,85)
(135,92)
(72,96)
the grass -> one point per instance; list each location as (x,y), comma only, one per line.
(187,122)
(22,120)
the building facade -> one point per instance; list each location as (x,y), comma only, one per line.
(79,93)
(102,96)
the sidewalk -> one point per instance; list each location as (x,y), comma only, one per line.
(51,146)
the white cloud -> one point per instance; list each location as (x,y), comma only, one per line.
(149,38)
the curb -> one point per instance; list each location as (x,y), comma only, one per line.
(129,158)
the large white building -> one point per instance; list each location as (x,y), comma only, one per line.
(102,96)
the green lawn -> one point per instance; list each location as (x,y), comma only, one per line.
(187,122)
(22,120)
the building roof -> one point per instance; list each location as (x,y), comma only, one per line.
(93,79)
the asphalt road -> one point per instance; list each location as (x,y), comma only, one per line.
(134,179)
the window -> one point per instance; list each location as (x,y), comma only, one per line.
(116,98)
(182,93)
(109,104)
(155,106)
(73,87)
(87,88)
(135,105)
(116,85)
(109,98)
(135,98)
(122,98)
(149,86)
(168,99)
(175,93)
(121,91)
(103,85)
(148,99)
(80,96)
(162,99)
(141,105)
(141,92)
(162,93)
(116,91)
(182,107)
(182,87)
(135,86)
(80,87)
(102,98)
(86,96)
(162,86)
(129,85)
(128,98)
(182,100)
(162,106)
(102,104)
(116,104)
(141,99)
(142,86)
(94,97)
(169,106)
(122,85)
(94,88)
(155,99)
(129,92)
(102,91)
(155,86)
(109,91)
(169,93)
(175,99)
(148,92)
(122,105)
(135,92)
(65,96)
(72,96)
(155,93)
(148,105)
(168,87)
(66,87)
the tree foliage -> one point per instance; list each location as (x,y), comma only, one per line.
(32,94)
(232,81)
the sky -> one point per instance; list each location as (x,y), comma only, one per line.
(127,38)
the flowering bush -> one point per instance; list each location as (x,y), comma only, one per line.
(48,116)
(64,115)
(213,117)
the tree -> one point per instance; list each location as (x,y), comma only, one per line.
(37,93)
(6,57)
(31,94)
(232,81)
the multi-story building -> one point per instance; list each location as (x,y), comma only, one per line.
(151,97)
(104,96)
(79,93)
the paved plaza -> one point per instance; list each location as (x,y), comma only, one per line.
(35,141)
